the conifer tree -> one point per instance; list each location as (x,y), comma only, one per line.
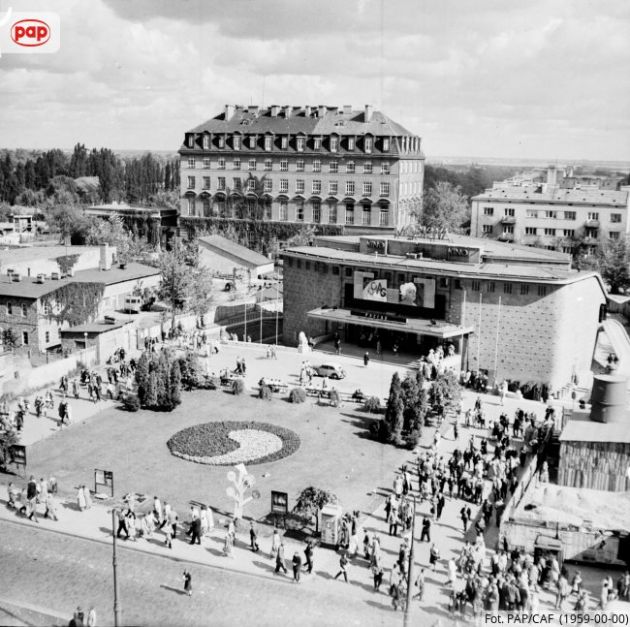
(175,385)
(142,377)
(151,398)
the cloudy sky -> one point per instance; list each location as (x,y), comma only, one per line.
(490,78)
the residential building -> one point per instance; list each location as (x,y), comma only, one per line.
(313,165)
(513,311)
(550,216)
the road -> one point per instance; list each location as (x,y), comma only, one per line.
(59,572)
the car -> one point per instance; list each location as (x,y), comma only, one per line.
(333,371)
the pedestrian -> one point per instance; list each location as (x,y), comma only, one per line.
(280,559)
(337,346)
(366,359)
(81,499)
(188,583)
(87,497)
(343,564)
(275,544)
(51,508)
(426,530)
(122,525)
(297,567)
(253,537)
(195,531)
(377,574)
(91,617)
(465,514)
(434,556)
(308,554)
(228,544)
(78,617)
(75,388)
(31,499)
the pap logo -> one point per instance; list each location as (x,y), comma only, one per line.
(30,33)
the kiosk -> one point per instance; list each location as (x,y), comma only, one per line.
(331,522)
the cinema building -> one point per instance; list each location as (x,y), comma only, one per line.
(519,313)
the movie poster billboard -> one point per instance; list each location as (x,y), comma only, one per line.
(419,292)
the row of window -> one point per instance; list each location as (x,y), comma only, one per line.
(532,230)
(283,165)
(17,310)
(268,142)
(508,288)
(509,212)
(361,215)
(300,186)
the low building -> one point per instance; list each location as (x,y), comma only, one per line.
(513,311)
(222,254)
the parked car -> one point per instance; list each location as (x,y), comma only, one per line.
(333,371)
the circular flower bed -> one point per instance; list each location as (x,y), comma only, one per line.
(228,443)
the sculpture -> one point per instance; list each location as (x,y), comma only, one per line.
(242,482)
(303,346)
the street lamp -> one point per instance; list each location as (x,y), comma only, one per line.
(114,564)
(410,569)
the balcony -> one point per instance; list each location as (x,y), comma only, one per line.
(508,220)
(593,224)
(506,237)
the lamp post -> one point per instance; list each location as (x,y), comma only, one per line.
(277,303)
(114,564)
(410,569)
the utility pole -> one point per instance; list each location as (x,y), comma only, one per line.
(116,608)
(410,569)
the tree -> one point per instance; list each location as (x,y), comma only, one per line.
(444,207)
(175,385)
(390,428)
(176,279)
(142,377)
(10,339)
(415,406)
(311,501)
(151,397)
(67,220)
(613,259)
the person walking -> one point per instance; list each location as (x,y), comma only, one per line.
(434,556)
(188,583)
(366,359)
(253,537)
(426,530)
(91,617)
(195,531)
(465,514)
(87,497)
(275,544)
(377,574)
(343,564)
(297,567)
(337,346)
(280,559)
(308,554)
(31,498)
(122,525)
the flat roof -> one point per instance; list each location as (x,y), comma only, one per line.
(528,193)
(9,256)
(94,328)
(591,431)
(223,244)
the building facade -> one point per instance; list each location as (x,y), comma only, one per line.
(550,216)
(312,165)
(512,311)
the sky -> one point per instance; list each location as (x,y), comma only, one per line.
(487,78)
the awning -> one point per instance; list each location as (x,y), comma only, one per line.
(419,326)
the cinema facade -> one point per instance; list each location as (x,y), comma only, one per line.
(519,313)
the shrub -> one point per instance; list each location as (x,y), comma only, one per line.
(297,395)
(265,393)
(131,402)
(238,387)
(372,404)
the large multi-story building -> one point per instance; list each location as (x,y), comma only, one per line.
(513,311)
(313,165)
(549,216)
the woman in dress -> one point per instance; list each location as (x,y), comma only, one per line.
(81,499)
(275,544)
(229,540)
(87,497)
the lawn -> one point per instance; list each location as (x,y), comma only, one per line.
(335,453)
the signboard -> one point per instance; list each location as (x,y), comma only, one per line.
(18,455)
(103,480)
(378,316)
(279,503)
(376,245)
(419,292)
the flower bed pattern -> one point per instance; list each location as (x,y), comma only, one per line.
(228,443)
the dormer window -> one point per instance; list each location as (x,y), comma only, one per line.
(317,143)
(252,141)
(268,142)
(300,141)
(206,142)
(221,141)
(334,143)
(191,141)
(367,144)
(284,142)
(236,142)
(386,144)
(350,143)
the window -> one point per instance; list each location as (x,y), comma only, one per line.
(385,168)
(221,163)
(592,233)
(542,290)
(268,142)
(531,230)
(284,142)
(221,183)
(615,217)
(613,234)
(507,288)
(335,270)
(509,212)
(332,213)
(252,141)
(551,214)
(317,166)
(284,210)
(284,166)
(299,165)
(508,229)
(350,167)
(300,141)
(251,185)
(206,162)
(206,142)
(317,187)
(236,183)
(349,214)
(191,141)
(9,309)
(550,231)
(317,211)
(491,286)
(531,213)
(317,143)
(206,207)
(568,232)
(367,167)
(488,211)
(299,211)
(252,164)
(299,186)
(487,228)
(524,289)
(334,144)
(593,216)
(367,144)
(367,188)
(47,309)
(191,163)
(284,186)
(268,165)
(333,188)
(383,217)
(367,215)
(349,188)
(333,167)
(221,141)
(569,215)
(236,142)
(267,185)
(24,311)
(47,337)
(25,338)
(206,182)
(476,286)
(384,191)
(236,164)
(191,182)
(386,144)
(251,207)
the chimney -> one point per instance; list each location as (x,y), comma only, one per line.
(273,110)
(552,176)
(286,109)
(105,262)
(321,111)
(229,111)
(347,109)
(369,109)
